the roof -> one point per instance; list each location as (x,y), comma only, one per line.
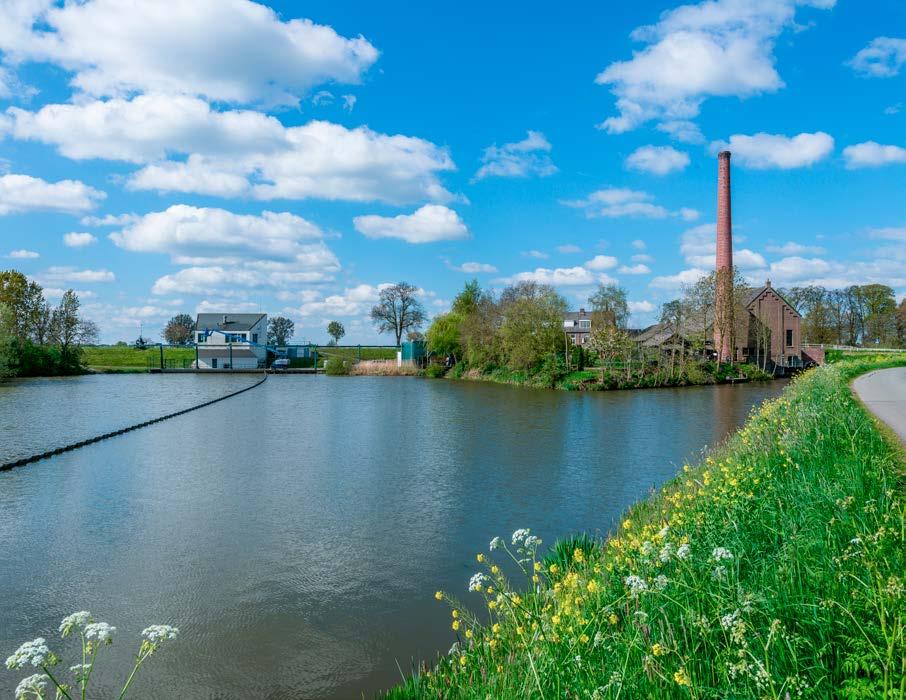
(754,292)
(238,353)
(227,322)
(576,315)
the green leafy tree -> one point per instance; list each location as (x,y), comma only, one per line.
(7,343)
(336,331)
(610,343)
(398,310)
(179,330)
(24,300)
(279,330)
(609,306)
(443,335)
(70,331)
(532,323)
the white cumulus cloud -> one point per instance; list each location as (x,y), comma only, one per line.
(23,193)
(713,48)
(638,269)
(657,160)
(882,58)
(763,151)
(613,202)
(475,267)
(520,159)
(873,155)
(225,50)
(78,239)
(428,224)
(23,254)
(62,274)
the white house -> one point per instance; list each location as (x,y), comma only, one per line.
(231,341)
(577,326)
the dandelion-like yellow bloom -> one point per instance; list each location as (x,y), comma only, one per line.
(439,595)
(455,625)
(578,555)
(479,557)
(492,643)
(492,604)
(555,619)
(627,524)
(584,638)
(495,628)
(537,566)
(495,569)
(593,586)
(455,614)
(554,568)
(520,629)
(499,668)
(657,649)
(462,660)
(468,634)
(682,678)
(536,578)
(613,619)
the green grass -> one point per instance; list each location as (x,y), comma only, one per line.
(119,358)
(774,569)
(327,351)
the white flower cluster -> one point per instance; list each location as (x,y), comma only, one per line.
(78,620)
(159,633)
(660,582)
(495,544)
(728,620)
(477,581)
(34,685)
(666,552)
(721,553)
(34,653)
(100,632)
(636,585)
(80,671)
(682,551)
(520,535)
(532,542)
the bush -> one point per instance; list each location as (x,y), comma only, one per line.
(336,367)
(435,371)
(552,370)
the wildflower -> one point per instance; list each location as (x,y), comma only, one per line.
(462,660)
(495,543)
(532,542)
(719,573)
(520,535)
(495,569)
(666,552)
(455,625)
(520,630)
(477,582)
(647,548)
(439,595)
(583,638)
(33,685)
(721,553)
(536,578)
(636,585)
(495,628)
(80,671)
(657,649)
(492,604)
(682,551)
(660,582)
(613,619)
(77,621)
(479,557)
(35,653)
(455,614)
(593,586)
(468,634)
(554,568)
(627,524)
(578,555)
(499,668)
(682,678)
(156,634)
(537,566)
(555,620)
(100,632)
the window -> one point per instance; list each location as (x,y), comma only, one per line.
(586,324)
(789,337)
(254,337)
(213,363)
(199,337)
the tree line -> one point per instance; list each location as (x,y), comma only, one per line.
(36,337)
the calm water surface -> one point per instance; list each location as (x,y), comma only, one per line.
(296,534)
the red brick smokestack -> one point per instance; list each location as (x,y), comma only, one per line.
(724,290)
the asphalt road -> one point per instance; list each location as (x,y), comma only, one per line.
(884,393)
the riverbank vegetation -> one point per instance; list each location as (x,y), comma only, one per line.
(37,338)
(774,569)
(129,358)
(518,337)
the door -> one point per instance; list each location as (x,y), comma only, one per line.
(213,363)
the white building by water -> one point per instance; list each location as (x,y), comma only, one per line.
(231,341)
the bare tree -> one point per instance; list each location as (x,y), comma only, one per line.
(398,310)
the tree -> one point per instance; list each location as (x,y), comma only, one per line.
(673,315)
(901,324)
(879,309)
(398,310)
(69,330)
(336,331)
(609,342)
(609,306)
(279,330)
(7,343)
(179,330)
(443,335)
(532,323)
(24,301)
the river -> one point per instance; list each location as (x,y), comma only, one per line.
(296,534)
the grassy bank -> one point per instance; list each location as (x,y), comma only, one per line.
(772,570)
(124,358)
(554,376)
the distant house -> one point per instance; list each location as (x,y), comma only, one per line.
(577,326)
(231,341)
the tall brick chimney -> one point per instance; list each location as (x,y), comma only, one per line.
(723,312)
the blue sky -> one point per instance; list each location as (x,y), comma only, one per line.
(226,155)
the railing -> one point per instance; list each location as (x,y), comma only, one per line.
(851,348)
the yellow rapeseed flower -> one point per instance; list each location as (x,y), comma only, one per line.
(439,595)
(584,638)
(593,586)
(479,557)
(462,660)
(468,634)
(613,619)
(537,566)
(455,625)
(554,568)
(555,620)
(682,678)
(495,569)
(657,649)
(455,614)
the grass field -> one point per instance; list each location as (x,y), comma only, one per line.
(117,358)
(367,353)
(774,569)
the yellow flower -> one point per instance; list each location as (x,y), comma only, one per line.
(492,643)
(479,557)
(495,628)
(492,604)
(455,625)
(627,524)
(516,600)
(499,668)
(495,569)
(554,568)
(535,578)
(613,619)
(583,638)
(578,555)
(682,678)
(520,629)
(468,634)
(593,586)
(537,566)
(462,660)
(658,650)
(490,589)
(439,595)
(555,619)
(455,614)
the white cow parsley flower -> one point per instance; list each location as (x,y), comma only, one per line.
(35,653)
(34,685)
(721,553)
(100,632)
(636,585)
(159,633)
(495,543)
(520,535)
(682,551)
(477,581)
(76,621)
(660,582)
(80,671)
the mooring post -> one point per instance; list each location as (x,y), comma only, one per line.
(161,346)
(231,354)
